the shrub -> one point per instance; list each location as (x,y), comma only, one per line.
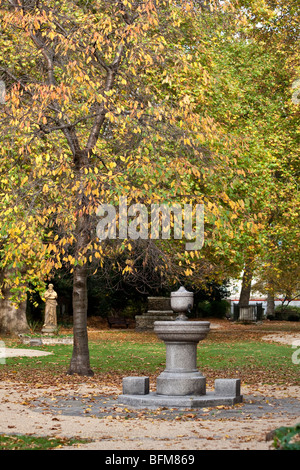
(216,308)
(204,309)
(287,438)
(288,312)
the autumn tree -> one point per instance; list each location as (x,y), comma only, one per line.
(83,124)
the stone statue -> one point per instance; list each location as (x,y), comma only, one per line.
(50,323)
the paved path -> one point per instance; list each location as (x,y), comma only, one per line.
(102,406)
(11,352)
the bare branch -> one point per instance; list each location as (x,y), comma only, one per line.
(101,111)
(47,55)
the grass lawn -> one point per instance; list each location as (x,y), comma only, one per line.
(233,351)
(24,442)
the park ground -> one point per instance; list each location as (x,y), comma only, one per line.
(37,402)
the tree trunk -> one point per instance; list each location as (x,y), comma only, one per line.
(12,318)
(246,287)
(270,304)
(80,361)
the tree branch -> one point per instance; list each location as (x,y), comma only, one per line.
(127,18)
(101,111)
(47,56)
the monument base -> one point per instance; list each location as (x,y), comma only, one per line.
(49,330)
(159,309)
(153,400)
(136,394)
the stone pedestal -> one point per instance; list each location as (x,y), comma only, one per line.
(49,330)
(181,384)
(159,308)
(181,376)
(248,313)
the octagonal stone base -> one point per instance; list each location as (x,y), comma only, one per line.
(136,394)
(153,400)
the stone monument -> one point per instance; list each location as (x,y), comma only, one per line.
(181,384)
(159,308)
(50,322)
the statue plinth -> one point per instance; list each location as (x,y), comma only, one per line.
(49,329)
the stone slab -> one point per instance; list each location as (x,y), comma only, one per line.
(135,385)
(159,303)
(49,330)
(228,387)
(153,400)
(45,340)
(146,322)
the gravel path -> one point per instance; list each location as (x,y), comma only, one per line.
(90,413)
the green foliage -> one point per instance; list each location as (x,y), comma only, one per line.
(287,438)
(214,308)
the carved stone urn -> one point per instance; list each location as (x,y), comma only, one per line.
(182,301)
